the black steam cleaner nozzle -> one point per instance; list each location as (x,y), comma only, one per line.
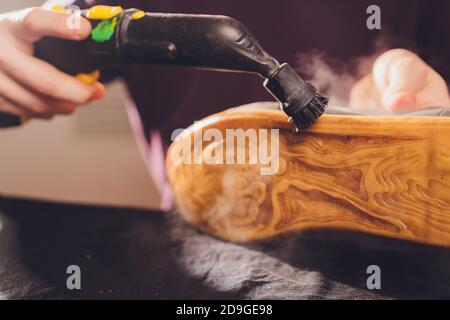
(212,42)
(299,99)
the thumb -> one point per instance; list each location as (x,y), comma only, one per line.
(399,76)
(35,23)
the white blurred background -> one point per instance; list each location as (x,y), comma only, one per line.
(89,157)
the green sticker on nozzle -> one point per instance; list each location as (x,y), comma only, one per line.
(104,30)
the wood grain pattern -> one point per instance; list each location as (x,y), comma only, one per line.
(387,176)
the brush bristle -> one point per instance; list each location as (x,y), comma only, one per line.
(304,118)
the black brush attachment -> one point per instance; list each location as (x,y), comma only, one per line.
(299,99)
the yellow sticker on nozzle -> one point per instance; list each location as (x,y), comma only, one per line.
(89,78)
(138,15)
(103,12)
(59,9)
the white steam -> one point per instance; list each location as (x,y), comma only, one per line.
(333,77)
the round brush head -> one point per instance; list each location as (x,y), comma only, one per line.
(299,99)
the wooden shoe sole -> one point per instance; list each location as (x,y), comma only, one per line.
(386,176)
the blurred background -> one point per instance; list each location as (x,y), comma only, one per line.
(90,157)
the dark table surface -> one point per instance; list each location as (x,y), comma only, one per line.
(126,253)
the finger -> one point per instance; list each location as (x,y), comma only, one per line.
(399,75)
(59,107)
(20,96)
(34,23)
(47,80)
(9,107)
(364,96)
(36,105)
(65,107)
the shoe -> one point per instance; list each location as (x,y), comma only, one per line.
(381,175)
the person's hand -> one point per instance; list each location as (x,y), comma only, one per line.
(30,87)
(400,82)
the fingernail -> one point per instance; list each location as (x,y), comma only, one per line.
(80,31)
(85,27)
(99,93)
